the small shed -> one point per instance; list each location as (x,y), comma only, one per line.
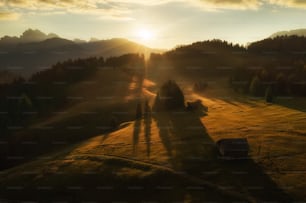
(233,147)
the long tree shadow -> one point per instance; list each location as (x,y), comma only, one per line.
(136,135)
(297,103)
(192,150)
(234,98)
(184,137)
(147,131)
(164,127)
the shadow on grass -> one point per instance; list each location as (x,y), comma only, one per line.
(184,137)
(32,142)
(296,103)
(117,179)
(147,131)
(192,150)
(107,185)
(136,135)
(235,99)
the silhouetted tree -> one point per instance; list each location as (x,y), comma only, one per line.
(169,97)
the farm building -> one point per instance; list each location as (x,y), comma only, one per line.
(233,147)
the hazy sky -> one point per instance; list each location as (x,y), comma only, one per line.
(156,23)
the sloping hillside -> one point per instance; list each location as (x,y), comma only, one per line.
(275,132)
(172,157)
(92,106)
(116,167)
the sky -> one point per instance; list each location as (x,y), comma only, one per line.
(155,23)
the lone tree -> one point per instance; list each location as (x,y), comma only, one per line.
(170,97)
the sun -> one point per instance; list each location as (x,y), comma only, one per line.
(145,34)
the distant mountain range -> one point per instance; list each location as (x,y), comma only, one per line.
(35,50)
(29,35)
(298,32)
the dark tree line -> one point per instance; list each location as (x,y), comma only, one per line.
(267,81)
(273,66)
(276,66)
(293,45)
(206,47)
(208,56)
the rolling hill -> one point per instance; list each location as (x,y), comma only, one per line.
(172,157)
(75,155)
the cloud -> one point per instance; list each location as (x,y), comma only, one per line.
(123,9)
(228,4)
(289,3)
(110,9)
(51,4)
(141,2)
(102,8)
(7,15)
(216,4)
(92,5)
(208,4)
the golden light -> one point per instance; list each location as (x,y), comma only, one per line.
(145,34)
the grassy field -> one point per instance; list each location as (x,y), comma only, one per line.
(92,104)
(171,157)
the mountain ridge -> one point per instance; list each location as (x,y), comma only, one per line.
(298,32)
(35,50)
(29,35)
